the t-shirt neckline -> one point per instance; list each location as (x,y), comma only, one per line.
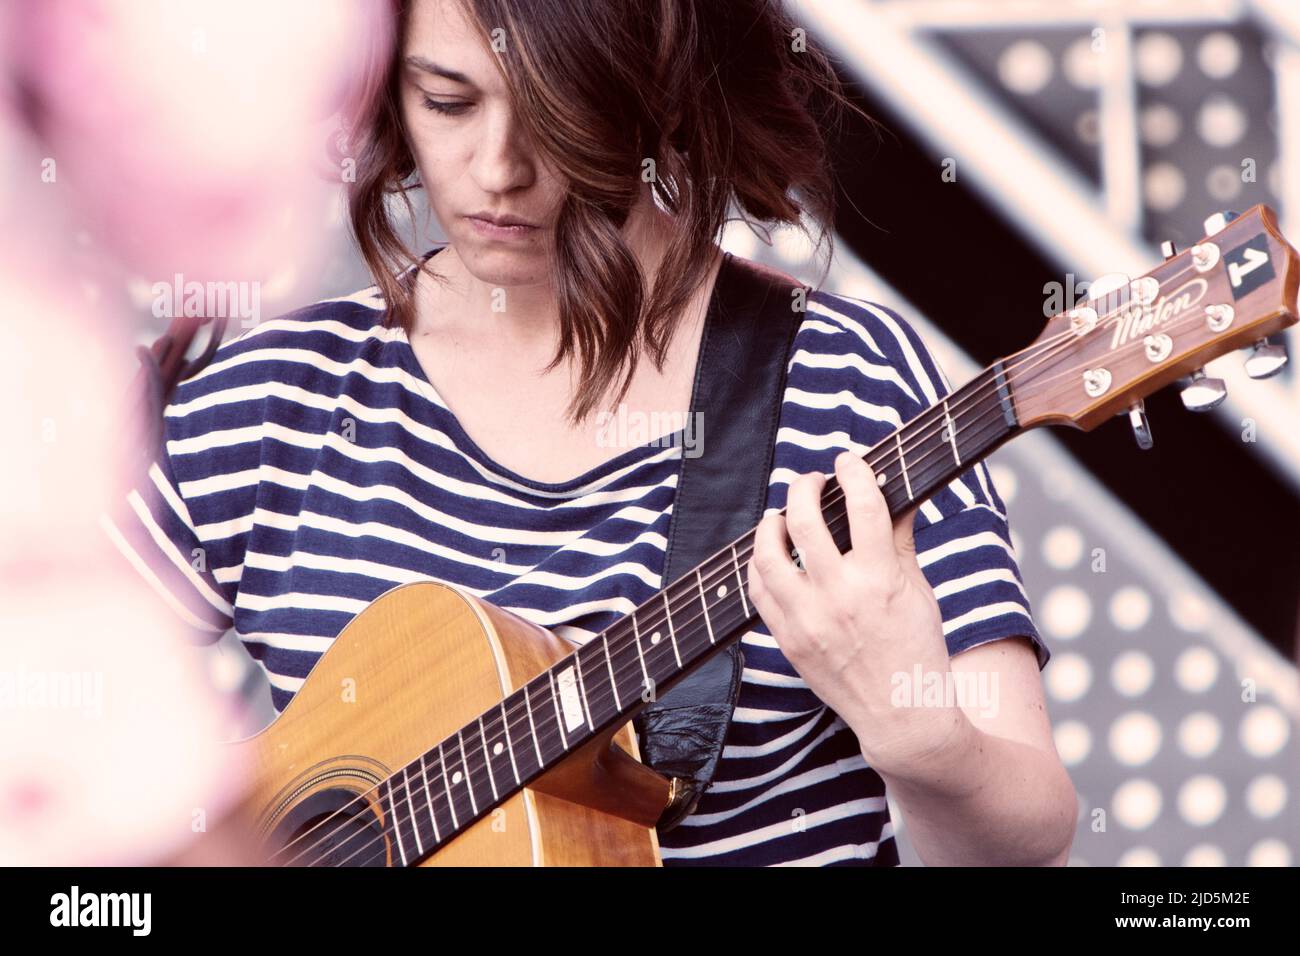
(572,486)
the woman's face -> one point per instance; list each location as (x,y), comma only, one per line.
(471,151)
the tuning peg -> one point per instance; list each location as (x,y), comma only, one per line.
(1265,359)
(1216,222)
(1203,393)
(1167,250)
(1137,417)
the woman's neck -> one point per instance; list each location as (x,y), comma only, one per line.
(466,307)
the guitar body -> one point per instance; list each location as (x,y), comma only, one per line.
(416,666)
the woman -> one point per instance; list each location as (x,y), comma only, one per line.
(447,424)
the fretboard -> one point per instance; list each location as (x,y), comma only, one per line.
(645,653)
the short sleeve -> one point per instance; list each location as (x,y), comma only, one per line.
(962,532)
(152,526)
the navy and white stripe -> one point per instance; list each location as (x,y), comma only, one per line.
(312,467)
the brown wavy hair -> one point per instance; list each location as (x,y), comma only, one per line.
(727,97)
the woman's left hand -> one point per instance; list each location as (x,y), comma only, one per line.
(849,623)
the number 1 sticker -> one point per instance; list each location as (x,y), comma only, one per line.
(1248,265)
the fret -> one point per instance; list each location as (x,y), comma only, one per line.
(902,463)
(624,654)
(704,603)
(740,585)
(446,785)
(555,701)
(952,432)
(397,823)
(428,799)
(532,726)
(469,777)
(487,759)
(510,747)
(672,636)
(613,682)
(410,805)
(636,636)
(582,689)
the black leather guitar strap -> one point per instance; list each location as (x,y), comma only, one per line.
(721,489)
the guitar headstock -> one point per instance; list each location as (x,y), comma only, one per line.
(1229,291)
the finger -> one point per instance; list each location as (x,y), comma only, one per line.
(780,577)
(761,599)
(871,532)
(904,535)
(806,524)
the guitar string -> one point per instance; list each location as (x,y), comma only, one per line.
(396,789)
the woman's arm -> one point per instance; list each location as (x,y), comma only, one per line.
(996,793)
(977,777)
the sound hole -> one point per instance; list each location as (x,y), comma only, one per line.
(330,828)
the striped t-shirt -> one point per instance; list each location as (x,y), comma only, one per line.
(316,467)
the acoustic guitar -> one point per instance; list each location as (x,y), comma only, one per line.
(440,730)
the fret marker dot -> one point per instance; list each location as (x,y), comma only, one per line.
(880,479)
(455,777)
(722,590)
(497,748)
(655,638)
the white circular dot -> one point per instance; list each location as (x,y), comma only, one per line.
(882,478)
(1223,183)
(1160,125)
(1059,484)
(1205,854)
(1063,547)
(1066,611)
(1073,742)
(1025,67)
(655,638)
(1081,64)
(1201,800)
(722,590)
(1088,127)
(1132,673)
(1269,853)
(455,777)
(1069,677)
(1196,669)
(1005,482)
(1264,730)
(1218,55)
(1159,58)
(1220,121)
(1134,738)
(1189,611)
(1130,607)
(1139,856)
(1163,186)
(497,748)
(1199,734)
(1266,796)
(1136,804)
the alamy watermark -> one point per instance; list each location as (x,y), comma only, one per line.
(53,690)
(973,690)
(631,429)
(235,300)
